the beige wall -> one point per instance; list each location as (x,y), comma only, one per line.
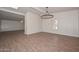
(32,23)
(67,23)
(0,25)
(9,25)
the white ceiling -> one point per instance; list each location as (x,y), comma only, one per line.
(58,9)
(17,13)
(21,9)
(40,9)
(10,16)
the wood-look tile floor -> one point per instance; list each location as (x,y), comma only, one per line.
(16,41)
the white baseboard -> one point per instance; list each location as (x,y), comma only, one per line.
(31,33)
(65,34)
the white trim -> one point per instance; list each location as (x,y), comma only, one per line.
(63,34)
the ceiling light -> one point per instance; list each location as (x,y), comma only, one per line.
(47,15)
(15,7)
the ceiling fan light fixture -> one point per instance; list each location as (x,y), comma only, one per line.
(47,15)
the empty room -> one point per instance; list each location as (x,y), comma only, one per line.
(39,29)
